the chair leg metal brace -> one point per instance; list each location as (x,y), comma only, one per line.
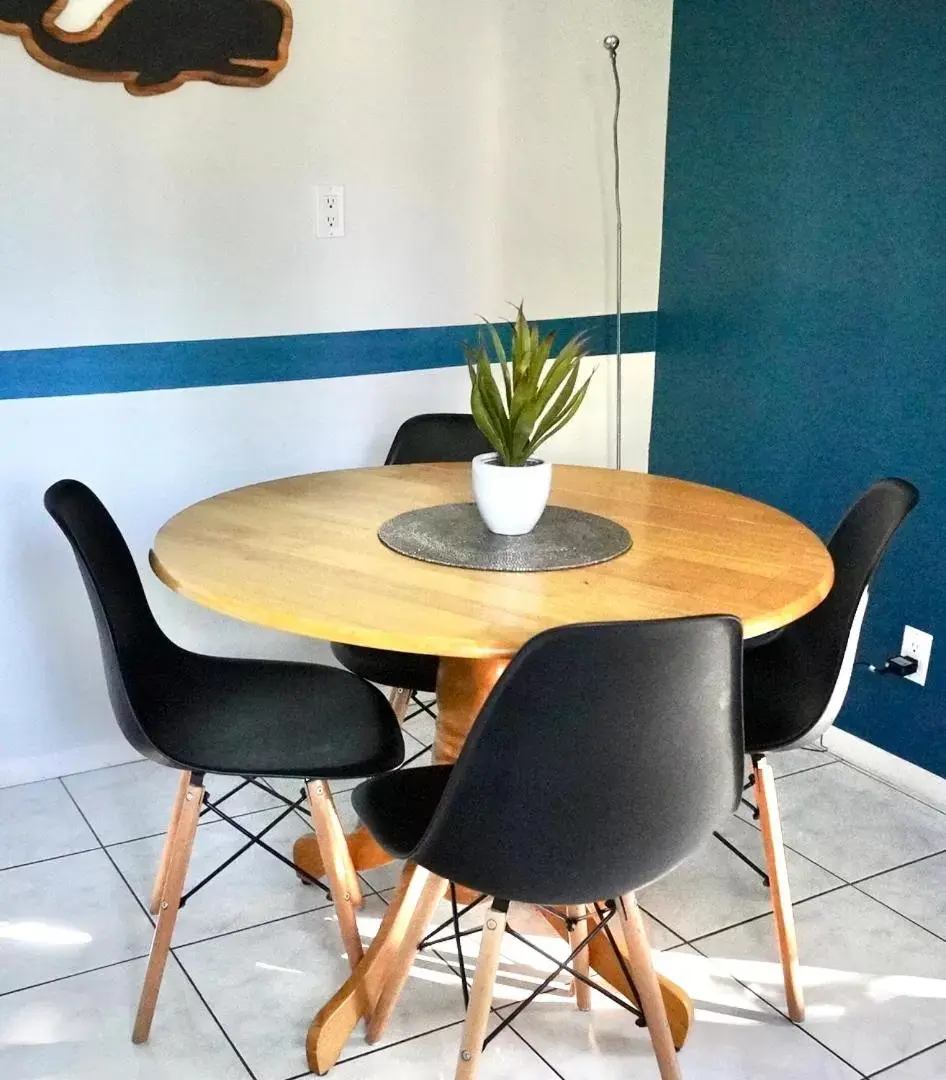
(771,828)
(745,858)
(172,886)
(481,996)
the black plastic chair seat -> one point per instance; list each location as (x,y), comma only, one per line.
(791,678)
(781,692)
(412,671)
(398,811)
(272,718)
(604,756)
(209,713)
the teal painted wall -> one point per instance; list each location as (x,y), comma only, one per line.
(801,341)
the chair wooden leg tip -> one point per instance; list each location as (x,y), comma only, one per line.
(317,1058)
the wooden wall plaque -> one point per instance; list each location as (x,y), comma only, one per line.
(153,46)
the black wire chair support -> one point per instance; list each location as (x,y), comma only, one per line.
(605,914)
(253,839)
(745,858)
(566,965)
(432,939)
(421,707)
(457,936)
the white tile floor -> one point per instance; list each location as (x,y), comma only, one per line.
(256,953)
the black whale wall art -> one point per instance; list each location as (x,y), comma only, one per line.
(153,46)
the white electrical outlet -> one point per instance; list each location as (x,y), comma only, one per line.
(919,645)
(330,211)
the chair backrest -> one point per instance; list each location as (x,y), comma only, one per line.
(437,437)
(800,679)
(132,643)
(605,755)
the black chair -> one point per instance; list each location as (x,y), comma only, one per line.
(604,756)
(425,438)
(796,683)
(200,714)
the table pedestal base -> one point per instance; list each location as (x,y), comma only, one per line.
(462,687)
(366,853)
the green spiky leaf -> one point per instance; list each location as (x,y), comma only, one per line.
(536,395)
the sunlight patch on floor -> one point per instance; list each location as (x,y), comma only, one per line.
(39,933)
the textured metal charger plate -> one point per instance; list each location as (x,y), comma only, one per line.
(455,535)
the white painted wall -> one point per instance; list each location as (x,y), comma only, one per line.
(473,143)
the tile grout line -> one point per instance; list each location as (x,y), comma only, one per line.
(804,769)
(892,786)
(209,937)
(50,858)
(762,915)
(834,873)
(73,975)
(147,915)
(909,1057)
(906,918)
(252,926)
(784,1015)
(209,820)
(213,1015)
(902,866)
(108,856)
(387,1046)
(99,768)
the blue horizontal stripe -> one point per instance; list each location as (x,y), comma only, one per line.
(116,369)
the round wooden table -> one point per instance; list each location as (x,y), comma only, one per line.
(302,555)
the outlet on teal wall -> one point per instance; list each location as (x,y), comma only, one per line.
(801,337)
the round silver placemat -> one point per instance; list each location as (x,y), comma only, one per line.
(454,535)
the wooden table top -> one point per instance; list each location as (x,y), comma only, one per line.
(302,554)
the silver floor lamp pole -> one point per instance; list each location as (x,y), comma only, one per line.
(611,43)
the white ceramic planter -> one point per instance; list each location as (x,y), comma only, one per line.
(510,500)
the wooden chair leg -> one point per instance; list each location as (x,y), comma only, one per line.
(648,988)
(161,875)
(400,969)
(481,993)
(346,895)
(348,862)
(400,699)
(358,996)
(582,960)
(771,828)
(178,861)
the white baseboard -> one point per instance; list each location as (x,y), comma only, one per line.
(25,770)
(904,775)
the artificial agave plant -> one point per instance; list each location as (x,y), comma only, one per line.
(538,395)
